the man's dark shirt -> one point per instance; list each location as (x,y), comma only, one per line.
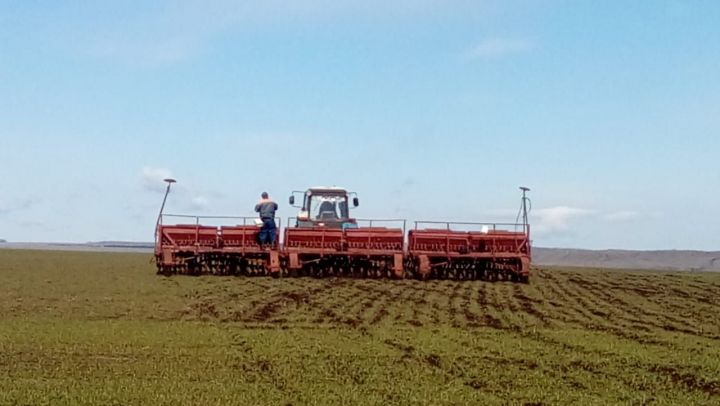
(266,208)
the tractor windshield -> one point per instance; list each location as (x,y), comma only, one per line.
(328,208)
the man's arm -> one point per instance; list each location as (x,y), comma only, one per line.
(276,206)
(257,207)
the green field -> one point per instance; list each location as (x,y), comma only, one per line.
(99,328)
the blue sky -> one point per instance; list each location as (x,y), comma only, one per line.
(428,109)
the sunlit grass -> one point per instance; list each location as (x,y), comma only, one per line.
(96,328)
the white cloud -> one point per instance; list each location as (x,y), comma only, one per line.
(35,223)
(199,203)
(558,219)
(186,197)
(4,207)
(495,47)
(147,52)
(564,219)
(630,215)
(153,178)
(622,216)
(178,31)
(17,205)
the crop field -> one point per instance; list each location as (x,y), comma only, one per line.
(102,328)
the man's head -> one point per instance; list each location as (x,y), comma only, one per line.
(264,195)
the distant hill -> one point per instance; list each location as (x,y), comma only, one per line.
(666,259)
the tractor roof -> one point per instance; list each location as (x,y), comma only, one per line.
(327,189)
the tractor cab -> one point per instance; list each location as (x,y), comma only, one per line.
(325,207)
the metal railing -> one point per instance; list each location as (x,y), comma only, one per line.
(484,227)
(371,222)
(444,225)
(401,223)
(246,221)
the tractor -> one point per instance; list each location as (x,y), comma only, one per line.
(325,207)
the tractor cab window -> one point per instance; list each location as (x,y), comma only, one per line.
(328,208)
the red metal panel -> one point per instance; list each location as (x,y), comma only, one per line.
(181,235)
(207,236)
(274,263)
(374,238)
(315,238)
(499,241)
(439,241)
(239,236)
(398,268)
(460,242)
(187,236)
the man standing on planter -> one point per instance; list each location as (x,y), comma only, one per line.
(266,208)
